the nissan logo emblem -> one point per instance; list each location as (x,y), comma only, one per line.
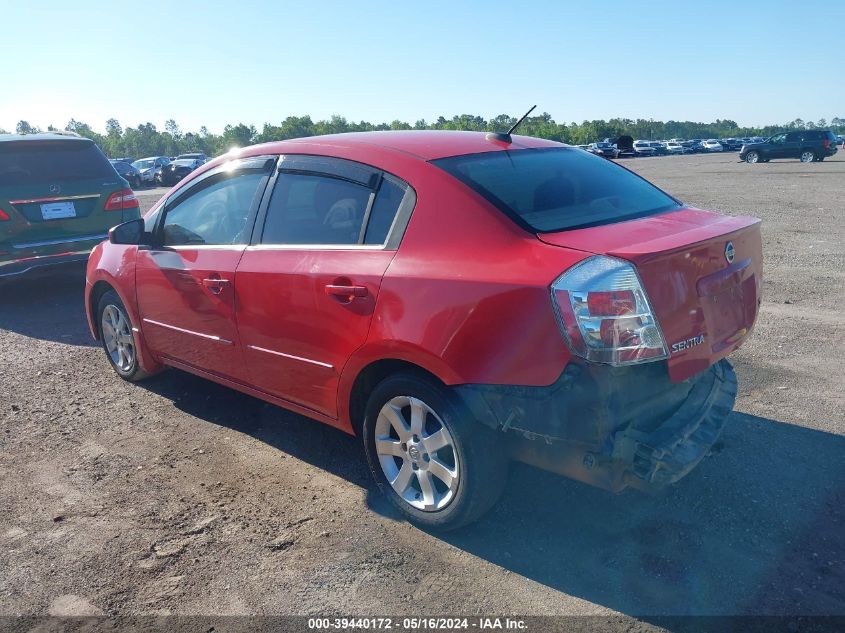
(729,252)
(55,188)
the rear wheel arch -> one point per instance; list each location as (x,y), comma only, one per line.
(370,376)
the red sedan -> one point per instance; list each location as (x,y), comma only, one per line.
(456,299)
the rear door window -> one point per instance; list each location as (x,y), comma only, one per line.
(547,190)
(39,162)
(327,201)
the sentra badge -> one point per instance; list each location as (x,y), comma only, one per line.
(680,346)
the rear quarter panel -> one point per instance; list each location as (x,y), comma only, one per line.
(467,295)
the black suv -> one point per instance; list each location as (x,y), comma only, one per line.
(805,145)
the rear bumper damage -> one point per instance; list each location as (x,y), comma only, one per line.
(612,427)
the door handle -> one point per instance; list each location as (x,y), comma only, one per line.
(346,292)
(215,285)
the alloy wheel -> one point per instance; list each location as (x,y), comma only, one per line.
(807,157)
(752,157)
(417,453)
(117,336)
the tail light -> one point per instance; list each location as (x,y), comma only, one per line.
(123,199)
(826,143)
(3,216)
(605,313)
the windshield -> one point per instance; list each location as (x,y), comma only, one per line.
(546,190)
(143,164)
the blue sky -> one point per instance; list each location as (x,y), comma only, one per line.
(255,61)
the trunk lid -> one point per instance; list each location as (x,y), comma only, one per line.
(704,293)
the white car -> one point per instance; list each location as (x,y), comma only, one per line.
(673,147)
(644,148)
(712,145)
(150,168)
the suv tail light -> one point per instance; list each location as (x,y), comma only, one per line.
(826,143)
(3,216)
(605,313)
(123,199)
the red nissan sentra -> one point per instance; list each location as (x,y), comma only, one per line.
(456,299)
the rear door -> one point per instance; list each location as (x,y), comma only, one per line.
(185,284)
(308,284)
(53,195)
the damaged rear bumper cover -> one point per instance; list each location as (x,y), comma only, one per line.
(608,426)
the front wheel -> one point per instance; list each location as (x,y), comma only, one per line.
(807,156)
(752,157)
(440,467)
(118,337)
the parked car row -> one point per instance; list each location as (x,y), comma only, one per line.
(158,170)
(805,145)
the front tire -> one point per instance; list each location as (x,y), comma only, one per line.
(117,337)
(752,157)
(436,464)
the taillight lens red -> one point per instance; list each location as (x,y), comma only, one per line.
(611,302)
(120,200)
(605,313)
(826,143)
(3,216)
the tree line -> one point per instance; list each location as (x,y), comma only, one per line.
(147,140)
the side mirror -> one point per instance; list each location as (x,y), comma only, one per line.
(131,232)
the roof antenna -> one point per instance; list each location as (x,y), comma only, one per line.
(506,137)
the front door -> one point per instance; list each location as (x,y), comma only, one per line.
(308,285)
(186,282)
(777,146)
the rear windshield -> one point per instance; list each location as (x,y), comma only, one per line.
(33,162)
(546,190)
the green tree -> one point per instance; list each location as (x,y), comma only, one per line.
(172,128)
(239,135)
(23,127)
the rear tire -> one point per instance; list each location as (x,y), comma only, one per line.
(118,337)
(807,156)
(436,464)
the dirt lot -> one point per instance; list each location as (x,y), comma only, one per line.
(180,496)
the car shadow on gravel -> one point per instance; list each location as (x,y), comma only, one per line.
(47,305)
(755,529)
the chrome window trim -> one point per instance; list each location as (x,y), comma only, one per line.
(315,247)
(55,198)
(202,247)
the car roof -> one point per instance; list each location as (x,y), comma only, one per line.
(423,144)
(44,136)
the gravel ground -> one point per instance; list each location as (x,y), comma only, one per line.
(180,496)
